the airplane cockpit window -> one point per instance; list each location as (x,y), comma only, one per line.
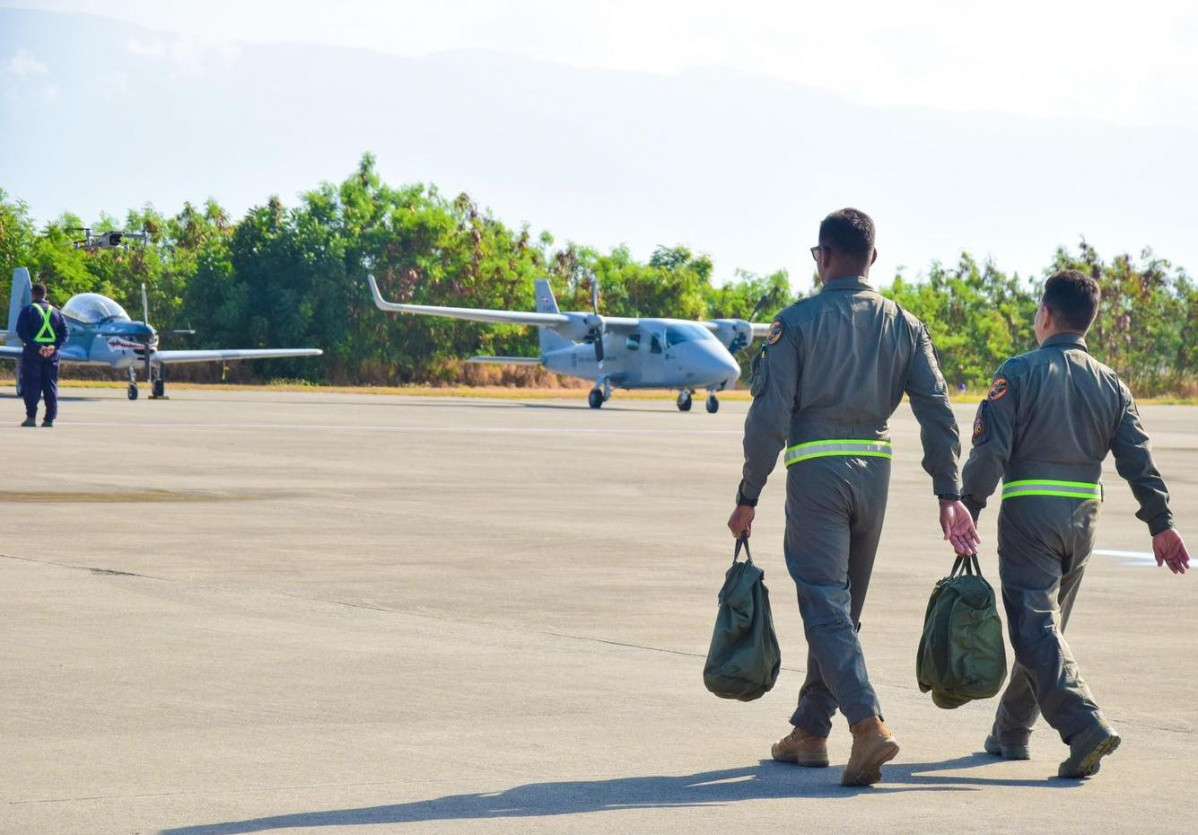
(633,342)
(655,344)
(677,334)
(92,308)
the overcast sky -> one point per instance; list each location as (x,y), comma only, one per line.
(1125,65)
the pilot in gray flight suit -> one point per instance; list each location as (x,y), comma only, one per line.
(833,369)
(1049,420)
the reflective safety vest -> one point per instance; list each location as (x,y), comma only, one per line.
(45,336)
(1083,490)
(823,449)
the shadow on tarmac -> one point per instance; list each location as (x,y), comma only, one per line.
(766,781)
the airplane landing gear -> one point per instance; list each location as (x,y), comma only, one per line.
(600,394)
(158,383)
(595,398)
(684,401)
(132,390)
(713,403)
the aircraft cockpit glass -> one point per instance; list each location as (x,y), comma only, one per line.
(634,342)
(92,308)
(677,334)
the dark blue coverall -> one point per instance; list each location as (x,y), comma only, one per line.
(39,326)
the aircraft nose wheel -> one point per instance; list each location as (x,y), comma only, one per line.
(132,392)
(595,398)
(713,404)
(684,401)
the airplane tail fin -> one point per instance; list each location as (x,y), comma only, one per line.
(546,303)
(21,298)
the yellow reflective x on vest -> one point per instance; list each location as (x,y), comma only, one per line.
(823,449)
(1083,490)
(46,335)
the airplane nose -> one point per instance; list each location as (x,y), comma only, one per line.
(720,366)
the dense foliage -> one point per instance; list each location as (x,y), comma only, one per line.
(290,277)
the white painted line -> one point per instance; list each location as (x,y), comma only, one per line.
(352,427)
(1140,558)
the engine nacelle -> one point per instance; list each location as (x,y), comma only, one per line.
(736,334)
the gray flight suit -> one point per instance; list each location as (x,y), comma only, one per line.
(833,369)
(1049,420)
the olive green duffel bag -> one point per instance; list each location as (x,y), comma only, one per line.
(744,658)
(961,655)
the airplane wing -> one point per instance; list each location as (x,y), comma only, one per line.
(225,354)
(503,317)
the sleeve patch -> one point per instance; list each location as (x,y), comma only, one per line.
(775,332)
(760,373)
(999,389)
(981,423)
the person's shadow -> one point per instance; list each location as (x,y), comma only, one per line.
(766,781)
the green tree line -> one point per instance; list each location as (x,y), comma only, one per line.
(296,276)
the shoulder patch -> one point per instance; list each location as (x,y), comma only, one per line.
(775,332)
(999,389)
(980,423)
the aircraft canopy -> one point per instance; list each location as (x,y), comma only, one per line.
(92,308)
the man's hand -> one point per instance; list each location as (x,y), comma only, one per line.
(1170,550)
(958,527)
(741,521)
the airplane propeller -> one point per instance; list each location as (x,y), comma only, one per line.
(145,317)
(595,333)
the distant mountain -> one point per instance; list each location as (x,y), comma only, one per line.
(98,114)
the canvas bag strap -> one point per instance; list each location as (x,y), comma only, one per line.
(742,542)
(966,564)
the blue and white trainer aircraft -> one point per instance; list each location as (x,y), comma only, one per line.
(103,334)
(614,351)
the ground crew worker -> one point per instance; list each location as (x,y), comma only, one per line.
(832,370)
(42,331)
(1047,423)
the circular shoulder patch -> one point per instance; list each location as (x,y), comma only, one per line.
(999,389)
(979,426)
(775,332)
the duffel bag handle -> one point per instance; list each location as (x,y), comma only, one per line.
(742,542)
(967,564)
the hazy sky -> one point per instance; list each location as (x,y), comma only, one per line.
(1112,60)
(1110,76)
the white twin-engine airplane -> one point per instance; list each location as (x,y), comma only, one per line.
(617,352)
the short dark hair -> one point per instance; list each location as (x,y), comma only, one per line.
(1073,298)
(39,291)
(850,231)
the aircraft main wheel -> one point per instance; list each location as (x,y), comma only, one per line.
(713,404)
(159,388)
(684,401)
(132,392)
(595,398)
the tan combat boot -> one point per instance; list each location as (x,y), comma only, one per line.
(800,747)
(873,745)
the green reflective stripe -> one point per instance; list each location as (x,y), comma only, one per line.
(824,449)
(1083,490)
(46,335)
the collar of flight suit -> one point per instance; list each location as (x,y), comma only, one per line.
(851,282)
(1066,340)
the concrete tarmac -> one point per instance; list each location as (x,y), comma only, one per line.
(237,612)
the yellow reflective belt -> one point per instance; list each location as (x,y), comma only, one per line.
(1083,490)
(823,449)
(46,335)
